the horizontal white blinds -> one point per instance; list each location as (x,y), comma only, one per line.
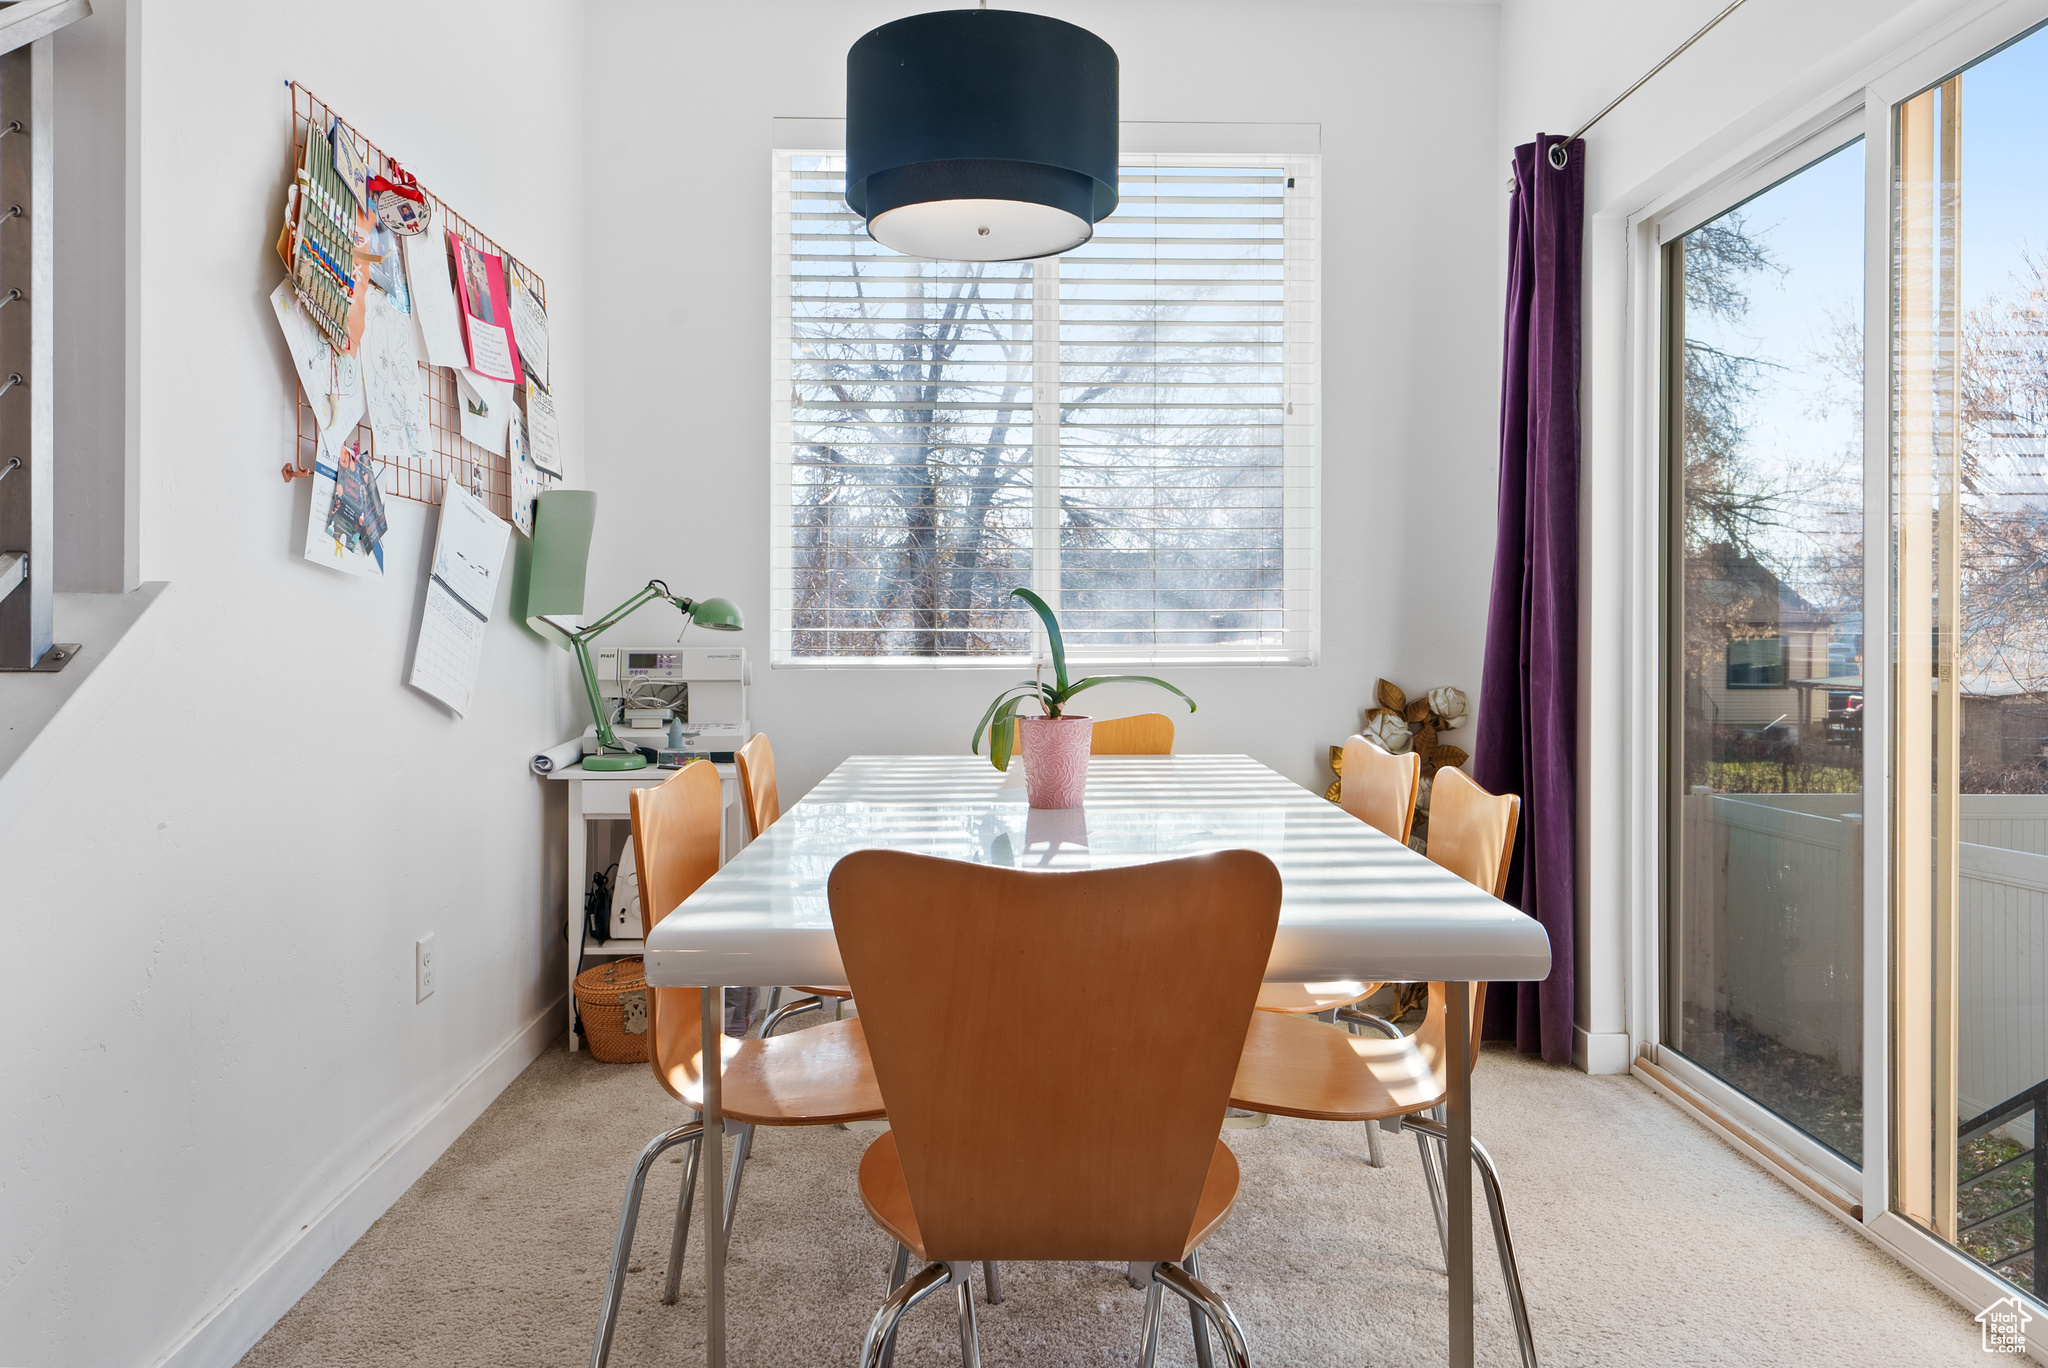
(1128,429)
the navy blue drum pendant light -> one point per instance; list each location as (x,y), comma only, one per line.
(981,135)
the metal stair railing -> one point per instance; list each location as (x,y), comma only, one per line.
(28,333)
(2035,1100)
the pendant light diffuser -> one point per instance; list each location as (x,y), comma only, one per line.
(981,135)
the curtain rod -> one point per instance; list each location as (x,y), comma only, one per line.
(1559,157)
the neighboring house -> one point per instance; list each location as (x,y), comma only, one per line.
(1776,659)
(2005,707)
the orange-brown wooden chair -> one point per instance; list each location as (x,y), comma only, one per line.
(763,806)
(1152,734)
(1145,734)
(812,1078)
(1378,789)
(1134,1171)
(1293,1066)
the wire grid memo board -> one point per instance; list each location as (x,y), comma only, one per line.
(453,456)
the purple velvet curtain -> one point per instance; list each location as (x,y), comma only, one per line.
(1527,736)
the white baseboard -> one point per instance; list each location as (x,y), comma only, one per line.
(1606,1052)
(232,1328)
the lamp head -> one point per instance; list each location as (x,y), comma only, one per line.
(721,615)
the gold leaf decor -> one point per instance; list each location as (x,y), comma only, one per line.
(1399,724)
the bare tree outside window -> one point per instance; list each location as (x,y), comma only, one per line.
(912,440)
(1111,427)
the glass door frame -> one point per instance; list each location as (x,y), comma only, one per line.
(1821,1166)
(1862,103)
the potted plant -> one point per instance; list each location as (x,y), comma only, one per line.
(1055,742)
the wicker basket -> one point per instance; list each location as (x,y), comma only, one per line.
(602,1001)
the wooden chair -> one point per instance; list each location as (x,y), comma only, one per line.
(762,806)
(758,798)
(813,1078)
(1005,1146)
(1145,734)
(1293,1066)
(1378,789)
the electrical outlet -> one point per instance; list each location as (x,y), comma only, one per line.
(423,963)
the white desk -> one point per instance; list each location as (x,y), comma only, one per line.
(1354,904)
(600,796)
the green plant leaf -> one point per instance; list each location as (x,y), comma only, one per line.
(1052,634)
(1093,680)
(1013,695)
(1002,736)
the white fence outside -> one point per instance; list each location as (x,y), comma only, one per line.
(1779,879)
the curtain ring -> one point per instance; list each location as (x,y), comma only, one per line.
(1560,156)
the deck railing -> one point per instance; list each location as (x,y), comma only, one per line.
(2030,1104)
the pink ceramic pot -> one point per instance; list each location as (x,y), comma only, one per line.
(1055,759)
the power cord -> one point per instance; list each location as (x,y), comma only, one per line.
(597,922)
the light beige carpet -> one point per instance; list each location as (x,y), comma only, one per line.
(1643,1238)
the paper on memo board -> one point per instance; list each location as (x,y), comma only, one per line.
(433,293)
(462,585)
(529,322)
(332,380)
(543,431)
(322,546)
(391,384)
(485,407)
(486,311)
(525,480)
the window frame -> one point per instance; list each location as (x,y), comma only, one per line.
(1296,148)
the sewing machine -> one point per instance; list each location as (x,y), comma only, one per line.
(701,688)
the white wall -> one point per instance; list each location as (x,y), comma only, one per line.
(1767,65)
(207,984)
(681,99)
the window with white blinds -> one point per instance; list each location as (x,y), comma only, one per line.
(1129,429)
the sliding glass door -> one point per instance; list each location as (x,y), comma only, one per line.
(1851,341)
(1969,647)
(1764,649)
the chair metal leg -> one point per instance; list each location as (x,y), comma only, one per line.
(1352,1016)
(1198,1293)
(1375,1157)
(1196,1321)
(679,1238)
(992,1277)
(740,1150)
(774,996)
(970,1328)
(1148,1338)
(1434,1181)
(898,1271)
(622,1245)
(776,1017)
(1503,1242)
(882,1332)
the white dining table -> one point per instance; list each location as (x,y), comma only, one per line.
(1355,904)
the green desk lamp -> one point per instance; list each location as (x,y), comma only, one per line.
(562,522)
